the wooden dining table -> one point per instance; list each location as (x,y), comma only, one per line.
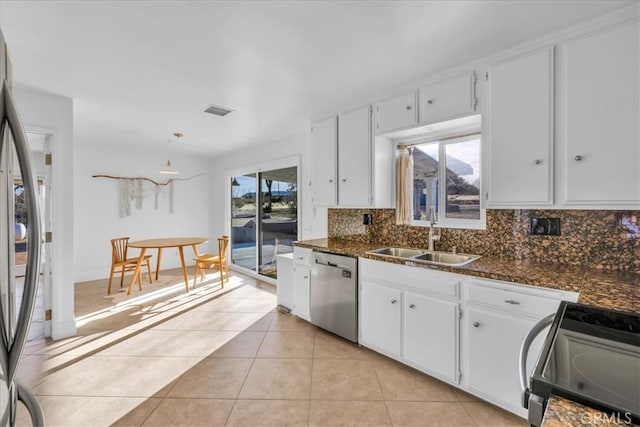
(160,244)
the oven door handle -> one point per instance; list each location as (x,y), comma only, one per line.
(524,350)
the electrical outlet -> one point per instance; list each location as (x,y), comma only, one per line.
(367,219)
(545,226)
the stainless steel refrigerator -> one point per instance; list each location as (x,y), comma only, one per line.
(14,323)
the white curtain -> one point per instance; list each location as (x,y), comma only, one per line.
(404,190)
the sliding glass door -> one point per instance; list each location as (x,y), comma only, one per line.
(244,213)
(264,222)
(279,220)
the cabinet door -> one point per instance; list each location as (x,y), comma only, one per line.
(492,353)
(286,281)
(324,145)
(520,162)
(354,158)
(380,318)
(303,280)
(431,335)
(448,99)
(602,110)
(397,112)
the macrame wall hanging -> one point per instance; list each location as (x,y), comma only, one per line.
(136,189)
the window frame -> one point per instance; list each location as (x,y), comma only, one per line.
(443,221)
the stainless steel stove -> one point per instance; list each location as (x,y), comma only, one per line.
(592,356)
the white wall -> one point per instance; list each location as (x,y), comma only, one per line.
(97,213)
(55,113)
(313,221)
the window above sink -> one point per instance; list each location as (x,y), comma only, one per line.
(446,174)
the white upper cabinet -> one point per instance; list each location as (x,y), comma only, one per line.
(354,157)
(560,124)
(448,99)
(520,142)
(324,146)
(348,168)
(602,95)
(395,113)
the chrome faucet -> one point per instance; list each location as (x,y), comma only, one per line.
(433,233)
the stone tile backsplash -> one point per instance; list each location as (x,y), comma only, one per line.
(591,238)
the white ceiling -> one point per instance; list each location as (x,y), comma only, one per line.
(140,70)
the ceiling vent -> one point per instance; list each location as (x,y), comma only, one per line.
(217,110)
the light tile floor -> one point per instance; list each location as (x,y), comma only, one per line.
(162,357)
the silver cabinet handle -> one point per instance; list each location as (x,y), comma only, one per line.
(393,301)
(537,161)
(408,107)
(306,277)
(476,324)
(330,180)
(300,258)
(524,350)
(412,305)
(512,302)
(578,158)
(429,101)
(344,179)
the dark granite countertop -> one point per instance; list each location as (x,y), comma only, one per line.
(563,412)
(616,290)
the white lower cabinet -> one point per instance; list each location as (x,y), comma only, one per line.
(461,329)
(380,317)
(431,334)
(496,318)
(493,346)
(286,292)
(403,315)
(302,280)
(303,284)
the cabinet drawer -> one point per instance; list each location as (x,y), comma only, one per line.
(302,255)
(515,300)
(411,278)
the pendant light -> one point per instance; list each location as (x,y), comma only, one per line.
(168,167)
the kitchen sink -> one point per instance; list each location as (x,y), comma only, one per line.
(446,258)
(398,252)
(425,256)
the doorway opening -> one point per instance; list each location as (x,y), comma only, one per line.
(39,143)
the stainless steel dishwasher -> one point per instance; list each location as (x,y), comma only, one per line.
(334,294)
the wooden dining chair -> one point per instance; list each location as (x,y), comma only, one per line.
(213,262)
(120,261)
